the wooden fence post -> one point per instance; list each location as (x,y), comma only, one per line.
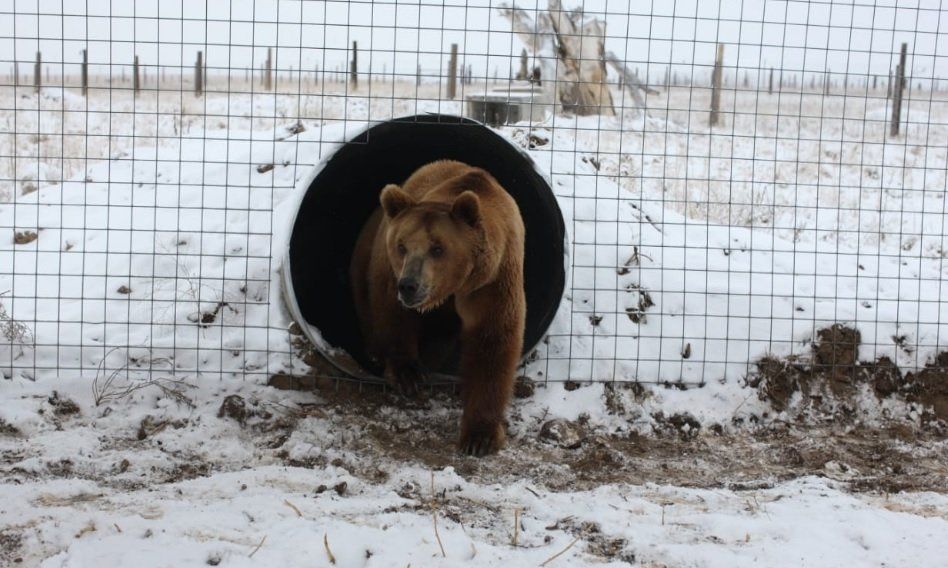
(84,73)
(716,77)
(453,72)
(136,80)
(38,72)
(354,66)
(199,74)
(268,72)
(897,91)
(522,73)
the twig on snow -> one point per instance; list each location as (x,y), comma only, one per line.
(560,553)
(292,506)
(471,542)
(434,517)
(516,525)
(254,551)
(332,559)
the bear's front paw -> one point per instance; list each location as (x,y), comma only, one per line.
(481,439)
(407,377)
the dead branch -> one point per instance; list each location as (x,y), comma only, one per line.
(116,385)
(536,35)
(631,82)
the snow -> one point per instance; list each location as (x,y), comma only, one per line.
(807,522)
(745,243)
(249,509)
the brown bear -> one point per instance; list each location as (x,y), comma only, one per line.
(446,246)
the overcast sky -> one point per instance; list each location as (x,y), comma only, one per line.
(860,37)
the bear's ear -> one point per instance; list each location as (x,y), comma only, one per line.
(394,200)
(467,208)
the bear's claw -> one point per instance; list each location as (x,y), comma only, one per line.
(406,377)
(482,441)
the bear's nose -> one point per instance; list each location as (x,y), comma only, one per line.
(407,288)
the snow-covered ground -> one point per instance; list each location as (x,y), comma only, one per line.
(158,482)
(796,214)
(159,223)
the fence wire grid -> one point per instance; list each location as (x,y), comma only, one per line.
(739,176)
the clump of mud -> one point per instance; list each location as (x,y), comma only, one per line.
(11,544)
(929,387)
(681,424)
(234,407)
(834,377)
(835,357)
(62,406)
(883,376)
(7,429)
(777,380)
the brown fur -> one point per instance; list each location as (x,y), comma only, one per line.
(453,230)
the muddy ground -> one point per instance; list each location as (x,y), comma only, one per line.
(372,432)
(815,428)
(815,425)
(570,455)
(377,437)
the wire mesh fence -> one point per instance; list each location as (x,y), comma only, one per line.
(733,177)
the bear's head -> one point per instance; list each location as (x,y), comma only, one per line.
(432,246)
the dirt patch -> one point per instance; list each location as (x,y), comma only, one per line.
(235,408)
(150,425)
(562,433)
(7,429)
(883,376)
(830,384)
(185,471)
(777,380)
(929,387)
(835,356)
(308,353)
(62,406)
(372,434)
(524,387)
(11,544)
(598,544)
(384,430)
(681,424)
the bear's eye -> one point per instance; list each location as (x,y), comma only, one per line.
(436,251)
(402,250)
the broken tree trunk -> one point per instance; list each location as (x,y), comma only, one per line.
(569,48)
(581,75)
